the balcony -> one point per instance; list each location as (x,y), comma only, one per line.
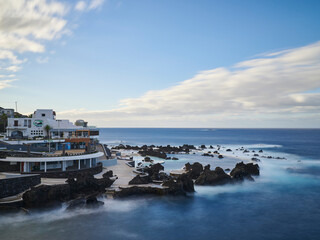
(19,126)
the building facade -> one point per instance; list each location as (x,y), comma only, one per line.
(44,144)
(8,111)
(30,128)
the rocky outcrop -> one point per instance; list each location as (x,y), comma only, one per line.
(243,170)
(180,185)
(207,155)
(108,174)
(84,202)
(163,176)
(93,202)
(46,195)
(174,187)
(187,183)
(186,148)
(205,176)
(77,203)
(153,170)
(140,180)
(154,153)
(215,177)
(83,185)
(194,170)
(87,184)
(255,159)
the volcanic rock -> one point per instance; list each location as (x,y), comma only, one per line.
(108,174)
(215,177)
(194,170)
(140,180)
(243,170)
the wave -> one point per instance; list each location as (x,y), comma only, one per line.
(60,213)
(113,142)
(262,145)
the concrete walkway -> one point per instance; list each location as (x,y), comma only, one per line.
(53,181)
(123,172)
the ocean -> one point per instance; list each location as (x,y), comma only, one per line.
(282,203)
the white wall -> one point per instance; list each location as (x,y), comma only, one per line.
(32,127)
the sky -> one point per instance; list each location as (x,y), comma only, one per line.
(164,63)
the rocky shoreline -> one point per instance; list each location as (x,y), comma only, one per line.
(82,190)
(183,184)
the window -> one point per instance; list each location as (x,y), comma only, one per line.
(25,123)
(43,114)
(29,123)
(16,123)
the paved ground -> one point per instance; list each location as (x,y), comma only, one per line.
(53,181)
(123,172)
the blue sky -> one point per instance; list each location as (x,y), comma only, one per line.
(106,58)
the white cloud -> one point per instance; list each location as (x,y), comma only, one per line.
(19,44)
(86,6)
(42,60)
(5,83)
(269,87)
(29,21)
(25,25)
(81,6)
(7,76)
(5,54)
(13,68)
(95,4)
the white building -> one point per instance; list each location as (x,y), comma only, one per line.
(8,111)
(60,163)
(35,126)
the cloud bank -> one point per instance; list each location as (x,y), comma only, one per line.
(280,86)
(25,26)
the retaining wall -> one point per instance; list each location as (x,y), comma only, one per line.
(15,185)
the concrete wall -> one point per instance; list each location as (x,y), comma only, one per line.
(109,162)
(15,185)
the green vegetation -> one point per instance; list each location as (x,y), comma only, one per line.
(3,122)
(47,128)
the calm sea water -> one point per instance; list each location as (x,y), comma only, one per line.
(283,203)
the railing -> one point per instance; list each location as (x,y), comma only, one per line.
(25,154)
(19,125)
(68,154)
